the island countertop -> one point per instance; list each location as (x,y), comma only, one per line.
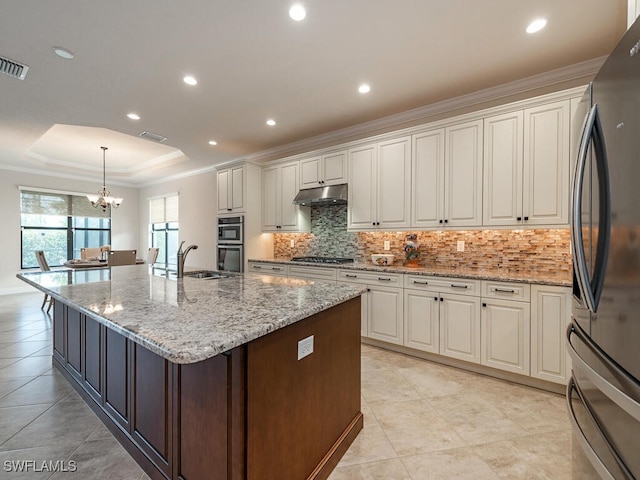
(188,320)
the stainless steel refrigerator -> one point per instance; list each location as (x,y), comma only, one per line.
(604,336)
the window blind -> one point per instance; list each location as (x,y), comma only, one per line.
(163,209)
(51,203)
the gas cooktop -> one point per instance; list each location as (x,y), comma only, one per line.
(336,260)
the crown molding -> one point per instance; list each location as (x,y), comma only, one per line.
(579,71)
(34,171)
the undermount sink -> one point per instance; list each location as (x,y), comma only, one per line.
(206,274)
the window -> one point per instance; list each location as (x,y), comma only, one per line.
(163,230)
(60,224)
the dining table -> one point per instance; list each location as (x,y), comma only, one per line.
(93,263)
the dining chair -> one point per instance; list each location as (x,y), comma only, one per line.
(44,266)
(90,253)
(152,255)
(122,257)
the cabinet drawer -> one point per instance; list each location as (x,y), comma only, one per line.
(370,278)
(462,286)
(506,290)
(268,269)
(314,273)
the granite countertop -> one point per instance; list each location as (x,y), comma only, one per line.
(562,279)
(188,320)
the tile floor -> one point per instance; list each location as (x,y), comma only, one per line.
(423,421)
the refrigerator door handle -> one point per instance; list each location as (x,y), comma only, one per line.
(591,130)
(624,401)
(591,454)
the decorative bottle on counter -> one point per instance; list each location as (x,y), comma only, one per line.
(411,250)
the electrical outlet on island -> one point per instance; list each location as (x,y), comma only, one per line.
(387,245)
(292,243)
(461,245)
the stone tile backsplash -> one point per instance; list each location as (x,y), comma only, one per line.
(541,250)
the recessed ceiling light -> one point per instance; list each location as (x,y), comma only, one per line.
(133,116)
(271,122)
(537,25)
(364,88)
(63,52)
(213,142)
(297,12)
(189,80)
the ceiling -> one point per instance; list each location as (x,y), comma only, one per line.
(253,62)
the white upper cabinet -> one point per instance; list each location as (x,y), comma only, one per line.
(380,185)
(428,179)
(320,171)
(503,153)
(279,188)
(231,190)
(447,177)
(526,166)
(546,164)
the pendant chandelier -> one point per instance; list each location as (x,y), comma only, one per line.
(104,198)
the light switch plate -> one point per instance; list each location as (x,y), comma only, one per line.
(461,245)
(292,243)
(387,245)
(305,347)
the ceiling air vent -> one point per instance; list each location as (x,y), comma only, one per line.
(152,136)
(13,69)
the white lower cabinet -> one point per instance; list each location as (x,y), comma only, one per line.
(422,320)
(460,327)
(273,269)
(327,275)
(505,335)
(439,321)
(382,305)
(550,314)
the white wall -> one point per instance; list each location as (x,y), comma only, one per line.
(198,213)
(124,225)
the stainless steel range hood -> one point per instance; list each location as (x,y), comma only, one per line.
(330,195)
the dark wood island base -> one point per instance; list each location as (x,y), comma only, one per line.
(255,412)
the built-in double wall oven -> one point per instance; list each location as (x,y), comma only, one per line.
(231,243)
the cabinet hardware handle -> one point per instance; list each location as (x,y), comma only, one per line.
(504,290)
(446,221)
(526,219)
(350,276)
(276,269)
(374,223)
(441,299)
(518,218)
(420,283)
(435,298)
(384,279)
(440,221)
(257,267)
(229,209)
(368,289)
(484,304)
(453,285)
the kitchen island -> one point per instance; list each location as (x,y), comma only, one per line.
(208,378)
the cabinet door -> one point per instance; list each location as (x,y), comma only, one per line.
(334,168)
(223,177)
(546,164)
(385,311)
(93,340)
(288,191)
(421,320)
(237,189)
(394,183)
(270,199)
(550,314)
(460,327)
(361,208)
(428,179)
(74,343)
(503,146)
(463,175)
(505,327)
(310,173)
